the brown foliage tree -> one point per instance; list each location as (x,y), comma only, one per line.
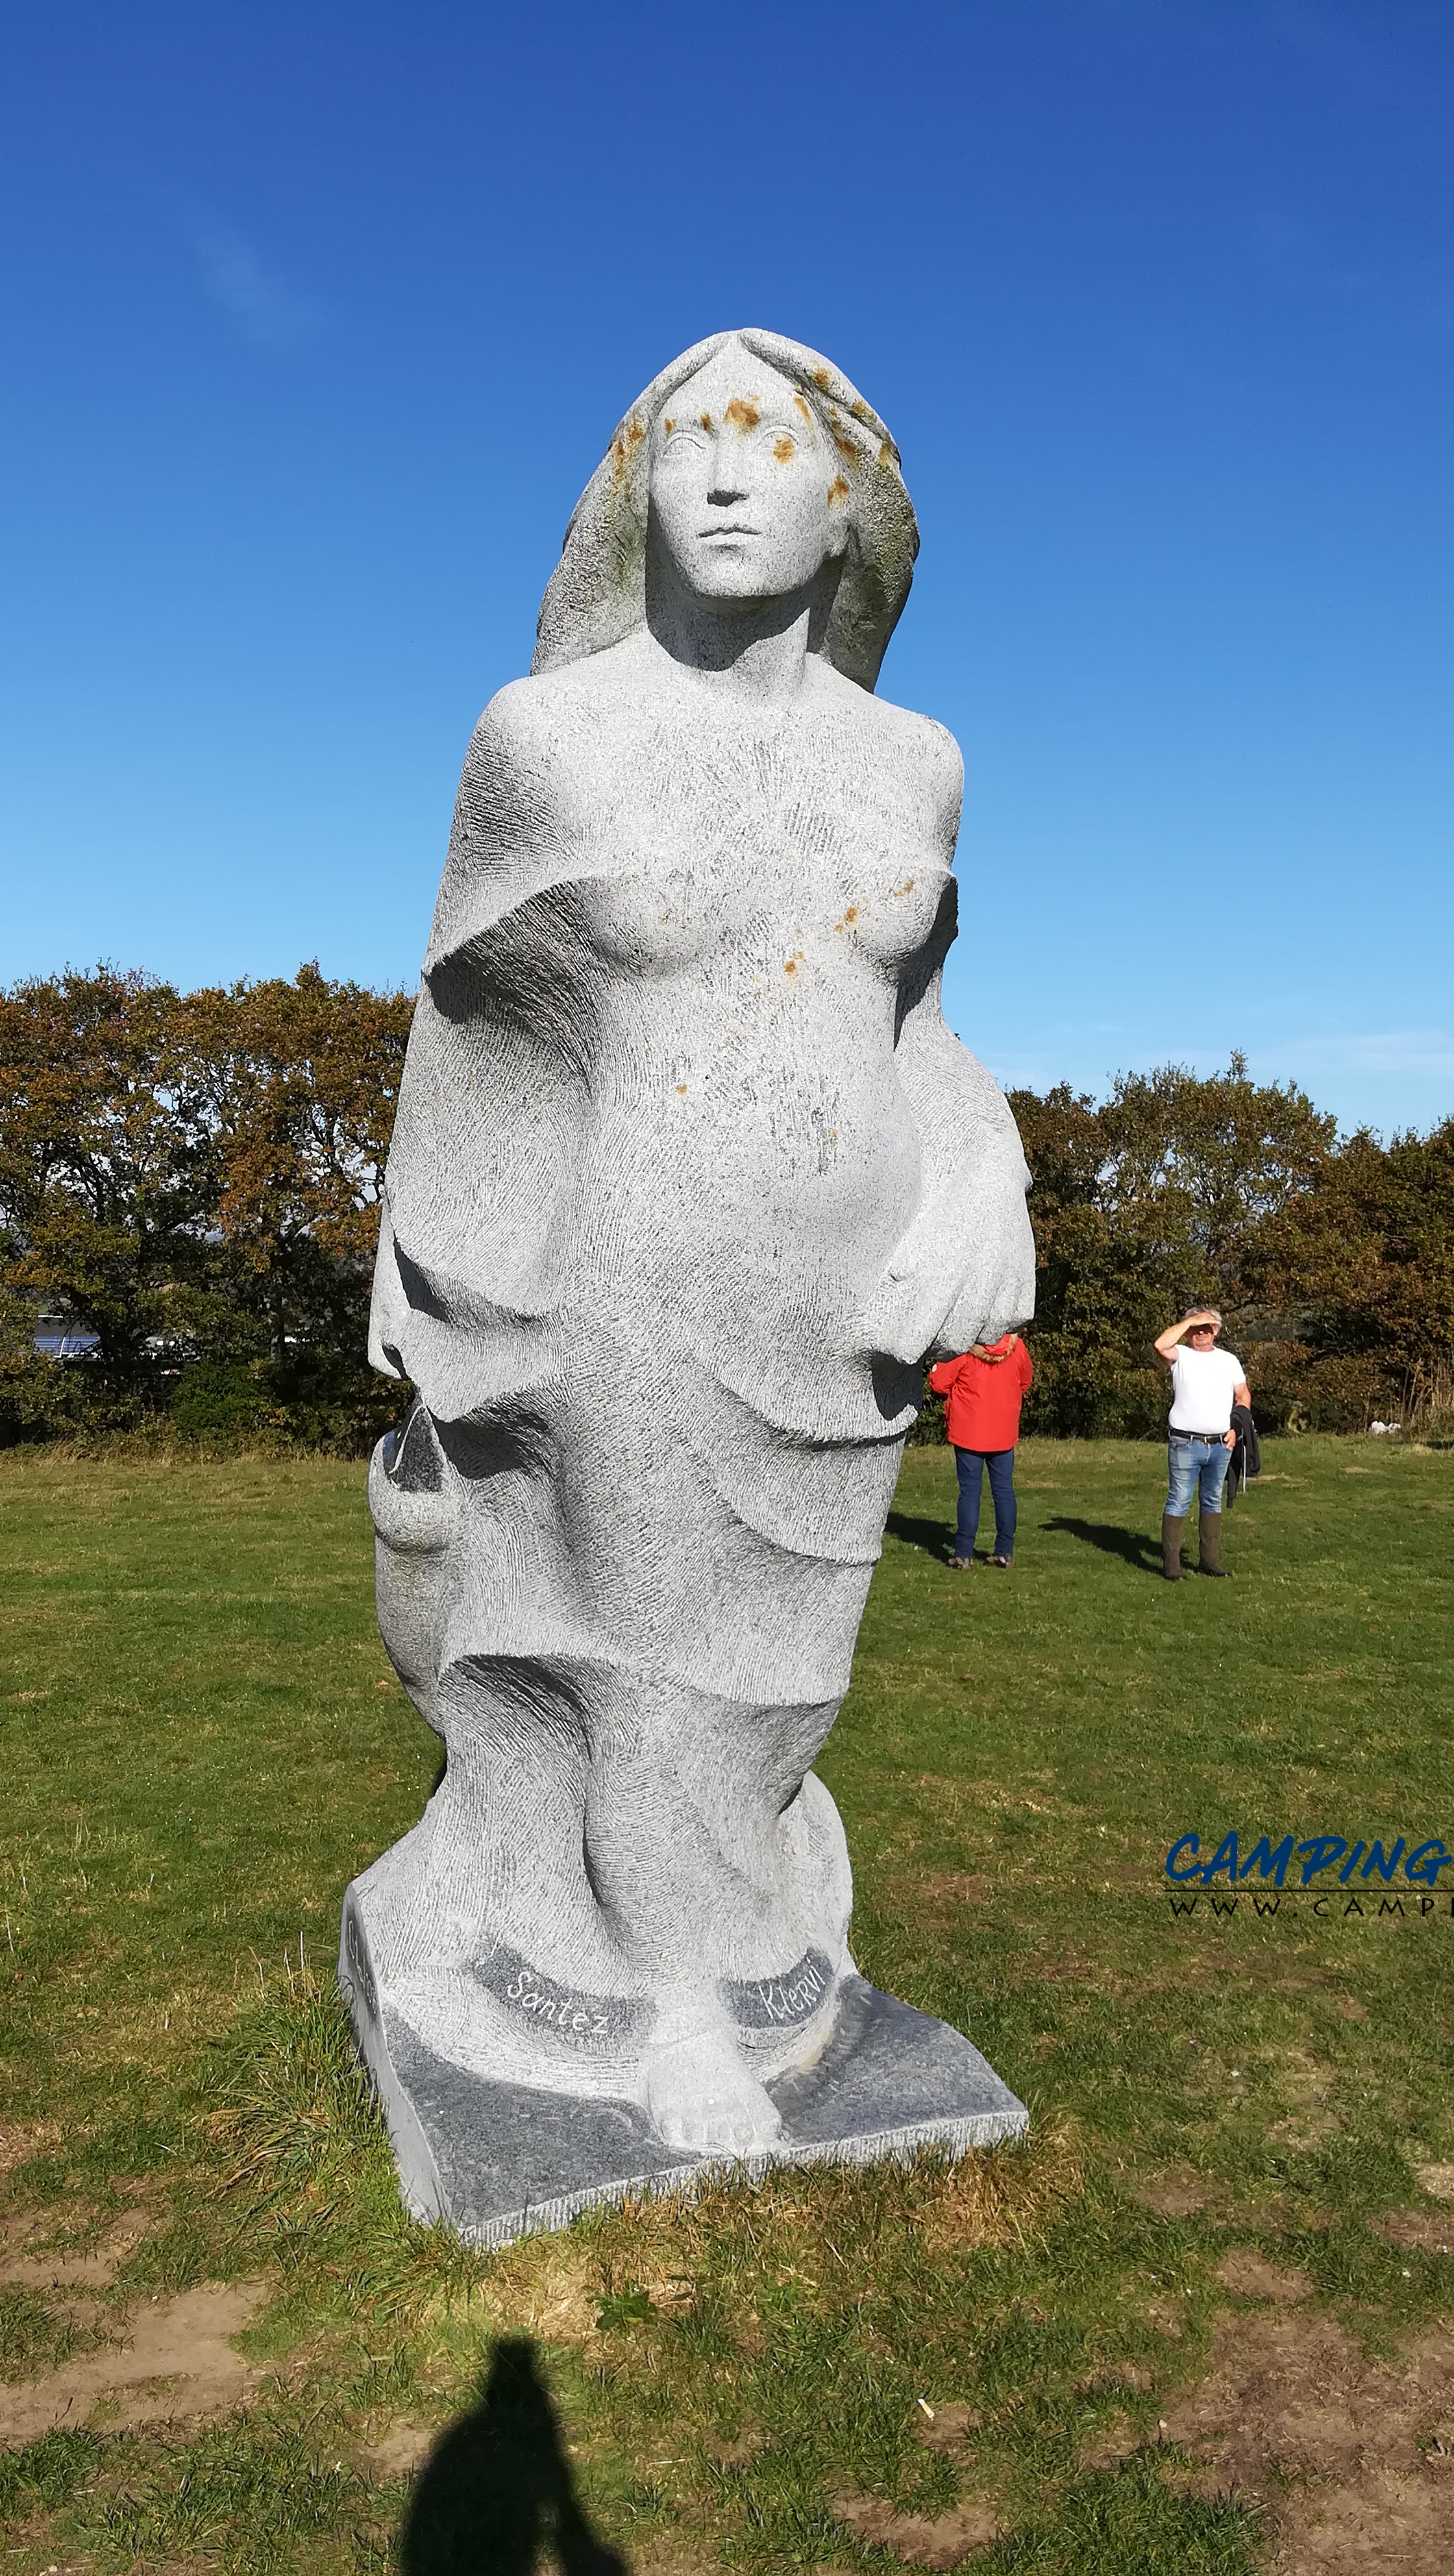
(300,1082)
(193,1175)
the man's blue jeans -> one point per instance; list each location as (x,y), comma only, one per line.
(967,1465)
(1192,1466)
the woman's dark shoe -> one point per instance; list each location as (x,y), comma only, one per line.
(1209,1531)
(1172,1525)
(1001,1561)
(961,1564)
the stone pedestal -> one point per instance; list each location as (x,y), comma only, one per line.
(498,2161)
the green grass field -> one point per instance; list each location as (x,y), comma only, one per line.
(1198,2322)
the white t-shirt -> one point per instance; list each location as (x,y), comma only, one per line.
(1202,1384)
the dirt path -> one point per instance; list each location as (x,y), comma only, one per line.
(166,2360)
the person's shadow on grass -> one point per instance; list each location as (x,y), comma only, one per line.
(499,2490)
(1133,1545)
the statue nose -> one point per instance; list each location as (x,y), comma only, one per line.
(728,478)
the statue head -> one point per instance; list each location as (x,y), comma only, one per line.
(749,470)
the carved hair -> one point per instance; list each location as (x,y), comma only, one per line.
(597,593)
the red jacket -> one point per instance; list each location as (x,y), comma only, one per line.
(985,1395)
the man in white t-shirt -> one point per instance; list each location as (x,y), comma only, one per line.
(1205,1384)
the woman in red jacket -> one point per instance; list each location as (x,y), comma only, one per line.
(986,1386)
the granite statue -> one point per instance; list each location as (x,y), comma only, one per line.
(687,1178)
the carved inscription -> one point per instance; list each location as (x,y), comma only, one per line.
(594,2023)
(771,2003)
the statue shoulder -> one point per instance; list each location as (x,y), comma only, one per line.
(924,757)
(928,744)
(520,724)
(518,766)
(550,717)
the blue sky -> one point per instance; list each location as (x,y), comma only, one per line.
(316,318)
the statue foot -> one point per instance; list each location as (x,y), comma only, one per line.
(697,2094)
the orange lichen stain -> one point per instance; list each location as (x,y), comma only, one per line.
(888,454)
(791,964)
(668,426)
(822,379)
(743,415)
(838,491)
(845,447)
(622,446)
(860,409)
(850,912)
(784,449)
(706,420)
(681,1090)
(801,406)
(906,888)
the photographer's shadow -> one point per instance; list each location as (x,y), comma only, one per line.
(1132,1545)
(498,2492)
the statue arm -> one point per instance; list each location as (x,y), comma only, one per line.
(964,1270)
(490,1104)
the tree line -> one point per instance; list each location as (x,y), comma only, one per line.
(190,1183)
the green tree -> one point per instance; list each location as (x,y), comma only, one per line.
(1141,1205)
(106,1173)
(1203,1162)
(1363,1273)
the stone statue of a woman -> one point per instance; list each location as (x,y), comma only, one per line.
(688,1176)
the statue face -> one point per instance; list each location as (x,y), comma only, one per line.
(747,495)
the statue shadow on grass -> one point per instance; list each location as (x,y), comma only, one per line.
(1133,1545)
(498,2492)
(933,1537)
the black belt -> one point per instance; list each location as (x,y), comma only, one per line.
(1217,1438)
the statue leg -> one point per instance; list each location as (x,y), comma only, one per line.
(720,1867)
(718,1861)
(628,1880)
(482,1923)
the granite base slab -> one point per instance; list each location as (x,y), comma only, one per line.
(498,2161)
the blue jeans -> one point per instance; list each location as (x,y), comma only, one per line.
(1195,1465)
(1001,1464)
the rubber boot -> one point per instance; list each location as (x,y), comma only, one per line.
(1209,1531)
(1172,1525)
